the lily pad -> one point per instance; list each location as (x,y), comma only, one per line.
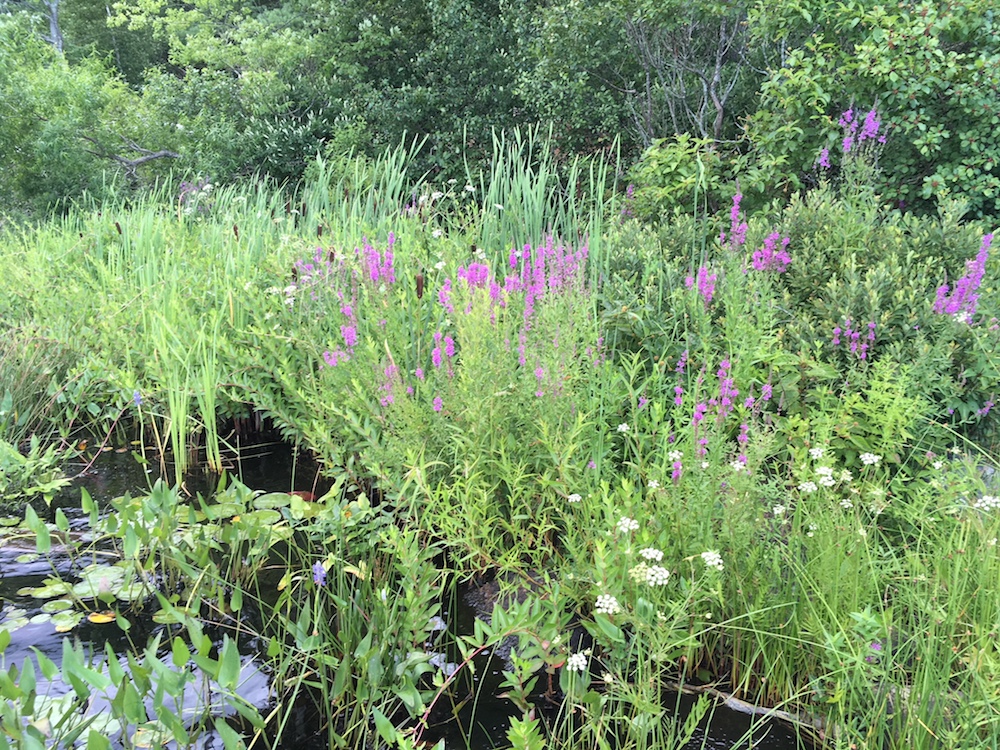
(40,618)
(50,590)
(12,624)
(272,500)
(223,510)
(57,605)
(9,521)
(263,517)
(66,621)
(101,618)
(27,557)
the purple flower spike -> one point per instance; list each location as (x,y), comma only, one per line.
(319,574)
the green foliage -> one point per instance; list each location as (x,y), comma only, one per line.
(930,69)
(677,176)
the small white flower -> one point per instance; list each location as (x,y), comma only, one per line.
(816,453)
(737,465)
(779,510)
(657,576)
(437,195)
(626,525)
(846,476)
(812,529)
(704,464)
(576,663)
(992,542)
(938,465)
(846,504)
(987,502)
(824,471)
(574,498)
(607,677)
(607,604)
(712,559)
(827,481)
(439,265)
(653,484)
(870,459)
(962,316)
(653,555)
(673,456)
(470,189)
(452,181)
(623,427)
(862,532)
(438,234)
(807,487)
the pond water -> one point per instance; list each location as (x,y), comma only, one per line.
(478,724)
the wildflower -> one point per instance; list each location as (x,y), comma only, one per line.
(778,510)
(470,189)
(438,403)
(576,662)
(963,298)
(767,258)
(623,427)
(675,456)
(807,487)
(712,559)
(591,464)
(653,484)
(137,398)
(846,504)
(737,229)
(319,574)
(574,497)
(607,604)
(657,575)
(816,453)
(870,459)
(654,555)
(824,158)
(627,525)
(938,465)
(737,465)
(987,502)
(812,530)
(846,476)
(706,284)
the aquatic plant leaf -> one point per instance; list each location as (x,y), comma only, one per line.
(40,619)
(223,510)
(50,590)
(66,621)
(151,734)
(101,618)
(57,605)
(272,500)
(27,557)
(265,517)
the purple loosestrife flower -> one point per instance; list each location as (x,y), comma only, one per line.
(444,297)
(675,475)
(737,229)
(706,284)
(350,334)
(436,359)
(438,404)
(836,335)
(678,395)
(319,574)
(824,158)
(449,347)
(869,130)
(769,258)
(961,301)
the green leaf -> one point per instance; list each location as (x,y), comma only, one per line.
(229,664)
(385,728)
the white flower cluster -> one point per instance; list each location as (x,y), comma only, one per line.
(626,525)
(657,575)
(825,474)
(576,662)
(712,559)
(807,487)
(673,456)
(778,510)
(870,459)
(574,498)
(653,484)
(623,427)
(653,555)
(987,502)
(607,604)
(816,453)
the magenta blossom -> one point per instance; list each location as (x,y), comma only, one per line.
(769,258)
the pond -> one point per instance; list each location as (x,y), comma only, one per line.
(148,649)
